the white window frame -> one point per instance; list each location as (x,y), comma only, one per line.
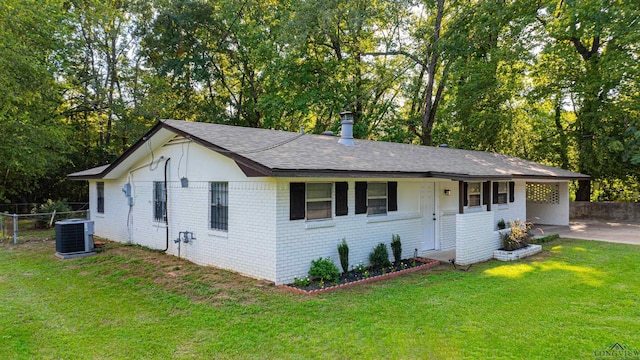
(505,192)
(328,200)
(162,200)
(478,193)
(100,195)
(223,190)
(377,197)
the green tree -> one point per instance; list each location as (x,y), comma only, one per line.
(600,53)
(34,143)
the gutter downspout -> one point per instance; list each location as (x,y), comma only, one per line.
(166,202)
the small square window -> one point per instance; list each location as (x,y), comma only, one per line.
(475,194)
(503,192)
(376,198)
(318,201)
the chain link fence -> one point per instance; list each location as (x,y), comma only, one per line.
(28,227)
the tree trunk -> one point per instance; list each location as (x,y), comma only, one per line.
(583,193)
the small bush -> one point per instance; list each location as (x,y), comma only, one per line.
(518,237)
(502,224)
(544,239)
(302,282)
(324,269)
(343,251)
(360,268)
(396,248)
(50,206)
(379,257)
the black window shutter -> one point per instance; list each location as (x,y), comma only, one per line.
(342,207)
(466,194)
(512,191)
(495,192)
(486,186)
(361,197)
(392,196)
(297,194)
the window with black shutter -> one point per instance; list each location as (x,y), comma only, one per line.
(392,193)
(486,187)
(297,201)
(466,194)
(512,191)
(361,197)
(342,207)
(377,198)
(474,194)
(318,201)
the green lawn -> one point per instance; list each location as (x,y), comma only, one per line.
(574,298)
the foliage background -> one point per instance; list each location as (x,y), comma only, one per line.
(548,80)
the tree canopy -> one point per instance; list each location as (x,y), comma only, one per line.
(554,81)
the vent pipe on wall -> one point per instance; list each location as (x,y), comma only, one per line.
(346,134)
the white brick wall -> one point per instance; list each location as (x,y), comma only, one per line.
(262,242)
(551,214)
(476,239)
(476,235)
(301,241)
(249,245)
(510,211)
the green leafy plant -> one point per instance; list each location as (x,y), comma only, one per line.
(301,282)
(343,251)
(58,206)
(360,268)
(379,257)
(396,248)
(502,224)
(324,269)
(518,237)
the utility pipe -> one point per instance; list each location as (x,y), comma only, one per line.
(166,204)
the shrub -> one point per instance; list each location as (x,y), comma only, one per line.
(343,251)
(518,237)
(324,269)
(302,282)
(50,206)
(379,257)
(396,248)
(502,224)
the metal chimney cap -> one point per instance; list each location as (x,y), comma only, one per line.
(346,116)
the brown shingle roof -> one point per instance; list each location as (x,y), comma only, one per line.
(279,153)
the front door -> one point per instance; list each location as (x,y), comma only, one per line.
(428,203)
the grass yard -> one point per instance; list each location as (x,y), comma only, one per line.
(574,298)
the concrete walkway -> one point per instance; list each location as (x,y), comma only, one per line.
(626,233)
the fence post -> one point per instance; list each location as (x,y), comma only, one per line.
(15,228)
(1,226)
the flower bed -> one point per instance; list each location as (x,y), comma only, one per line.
(363,276)
(505,255)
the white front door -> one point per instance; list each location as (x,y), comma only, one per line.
(427,200)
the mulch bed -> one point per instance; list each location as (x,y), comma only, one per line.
(354,278)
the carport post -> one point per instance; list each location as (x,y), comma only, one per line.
(15,228)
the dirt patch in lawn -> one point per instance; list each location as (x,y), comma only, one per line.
(204,284)
(154,269)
